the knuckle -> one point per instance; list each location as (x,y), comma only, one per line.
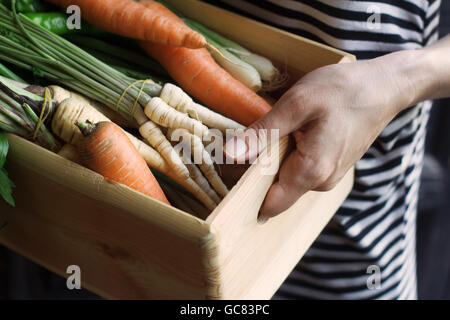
(320,175)
(260,124)
(301,96)
(302,100)
(260,128)
(319,171)
(295,101)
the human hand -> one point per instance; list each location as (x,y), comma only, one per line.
(334,114)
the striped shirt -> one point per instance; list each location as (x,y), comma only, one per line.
(368,250)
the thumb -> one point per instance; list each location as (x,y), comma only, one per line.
(286,116)
(308,167)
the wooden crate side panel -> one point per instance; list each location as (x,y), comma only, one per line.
(254,259)
(122,253)
(94,186)
(271,251)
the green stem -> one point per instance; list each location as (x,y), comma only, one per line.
(120,53)
(30,67)
(11,122)
(4,71)
(86,128)
(47,136)
(32,46)
(214,36)
(35,61)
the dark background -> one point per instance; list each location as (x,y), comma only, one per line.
(22,279)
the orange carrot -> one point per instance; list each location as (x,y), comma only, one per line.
(216,81)
(108,151)
(132,19)
(197,72)
(159,8)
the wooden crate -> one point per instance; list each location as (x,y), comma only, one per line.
(130,246)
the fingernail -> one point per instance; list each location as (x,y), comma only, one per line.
(262,219)
(236,148)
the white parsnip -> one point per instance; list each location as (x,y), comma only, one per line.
(74,110)
(69,112)
(153,135)
(59,94)
(184,151)
(70,152)
(201,158)
(209,199)
(161,113)
(151,156)
(181,101)
(202,182)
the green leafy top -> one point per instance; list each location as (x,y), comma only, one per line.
(4,146)
(6,184)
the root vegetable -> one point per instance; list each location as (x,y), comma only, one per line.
(154,136)
(202,158)
(107,150)
(160,112)
(72,110)
(180,100)
(199,75)
(59,94)
(131,19)
(70,152)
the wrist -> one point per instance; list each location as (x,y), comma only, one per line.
(412,74)
(437,61)
(424,73)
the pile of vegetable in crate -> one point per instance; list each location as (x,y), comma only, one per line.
(79,93)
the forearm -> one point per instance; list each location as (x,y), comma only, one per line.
(420,74)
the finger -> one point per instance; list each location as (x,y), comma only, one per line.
(306,168)
(288,115)
(287,190)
